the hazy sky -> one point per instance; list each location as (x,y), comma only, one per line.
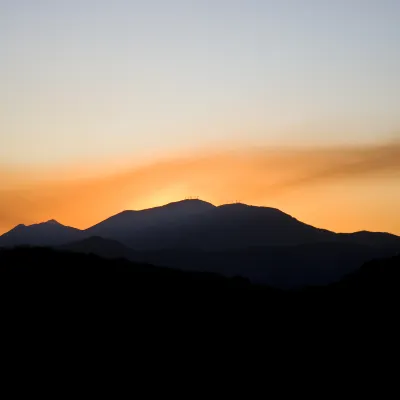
(114,104)
(89,79)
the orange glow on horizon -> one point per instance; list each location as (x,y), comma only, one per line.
(342,189)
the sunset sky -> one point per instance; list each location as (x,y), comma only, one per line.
(124,104)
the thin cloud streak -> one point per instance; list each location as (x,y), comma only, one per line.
(343,164)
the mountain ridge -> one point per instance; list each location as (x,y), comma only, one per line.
(189,211)
(41,234)
(263,244)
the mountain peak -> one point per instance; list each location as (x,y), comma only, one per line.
(244,206)
(234,205)
(20,226)
(173,204)
(17,228)
(53,222)
(187,202)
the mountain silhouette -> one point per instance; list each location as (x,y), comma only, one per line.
(228,227)
(193,224)
(196,224)
(50,233)
(106,248)
(262,244)
(376,239)
(127,223)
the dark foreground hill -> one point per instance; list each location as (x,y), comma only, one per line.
(277,266)
(83,315)
(32,273)
(82,307)
(38,270)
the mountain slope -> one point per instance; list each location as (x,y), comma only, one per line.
(50,233)
(106,248)
(375,239)
(193,224)
(222,228)
(124,224)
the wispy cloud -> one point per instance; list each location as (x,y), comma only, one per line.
(316,166)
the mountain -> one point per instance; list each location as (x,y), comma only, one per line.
(50,233)
(127,223)
(193,224)
(106,248)
(375,239)
(263,244)
(197,225)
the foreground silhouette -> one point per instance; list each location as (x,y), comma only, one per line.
(78,306)
(278,266)
(67,278)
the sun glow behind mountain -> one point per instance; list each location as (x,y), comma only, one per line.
(343,189)
(113,105)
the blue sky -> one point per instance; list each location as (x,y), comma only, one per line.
(85,79)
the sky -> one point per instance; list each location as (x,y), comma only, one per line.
(118,96)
